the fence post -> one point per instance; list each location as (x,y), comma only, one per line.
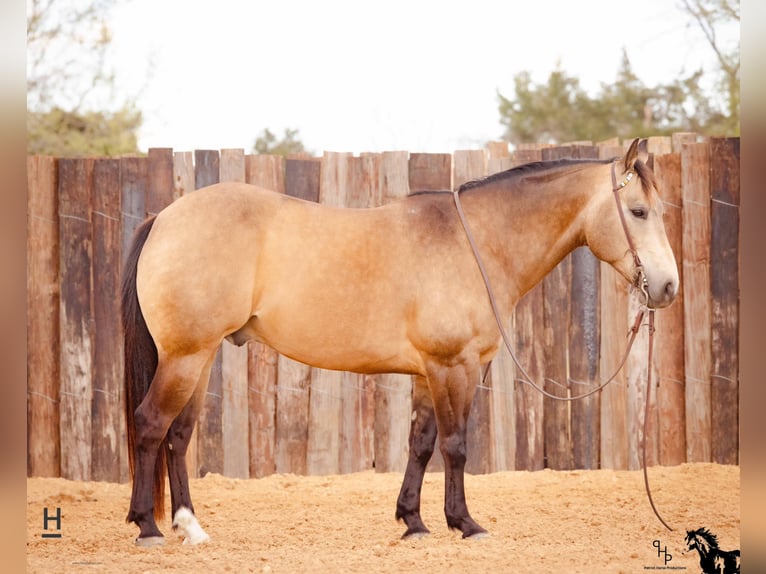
(294,378)
(695,174)
(724,288)
(266,171)
(109,450)
(210,448)
(528,336)
(76,316)
(393,392)
(234,365)
(669,339)
(43,292)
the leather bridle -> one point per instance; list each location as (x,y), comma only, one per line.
(640,282)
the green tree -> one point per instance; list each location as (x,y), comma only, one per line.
(267,143)
(61,133)
(710,16)
(560,110)
(71,102)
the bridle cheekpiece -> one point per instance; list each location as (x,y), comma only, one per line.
(641,282)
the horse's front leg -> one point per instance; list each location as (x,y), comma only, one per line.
(452,389)
(422,441)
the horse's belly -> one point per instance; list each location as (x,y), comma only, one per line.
(336,341)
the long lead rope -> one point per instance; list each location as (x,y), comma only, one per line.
(527,378)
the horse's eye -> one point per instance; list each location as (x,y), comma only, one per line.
(639,212)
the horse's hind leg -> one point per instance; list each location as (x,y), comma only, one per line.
(179,436)
(422,440)
(172,387)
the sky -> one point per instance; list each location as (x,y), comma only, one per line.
(416,75)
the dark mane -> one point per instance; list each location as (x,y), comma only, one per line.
(528,169)
(642,171)
(705,534)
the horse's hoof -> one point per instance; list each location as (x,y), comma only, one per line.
(415,534)
(186,523)
(150,541)
(477,535)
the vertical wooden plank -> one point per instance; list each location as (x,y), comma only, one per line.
(467,166)
(133,180)
(266,171)
(430,172)
(659,145)
(183,174)
(293,377)
(528,153)
(669,337)
(43,450)
(498,150)
(76,316)
(302,178)
(325,410)
(393,392)
(502,422)
(210,447)
(724,287)
(558,451)
(614,397)
(207,164)
(695,177)
(502,416)
(109,452)
(234,366)
(679,139)
(160,188)
(357,436)
(584,343)
(584,347)
(636,371)
(528,337)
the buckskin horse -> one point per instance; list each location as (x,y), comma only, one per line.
(387,289)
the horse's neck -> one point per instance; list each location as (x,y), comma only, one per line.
(539,227)
(703,548)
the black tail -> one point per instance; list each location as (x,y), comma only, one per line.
(140,363)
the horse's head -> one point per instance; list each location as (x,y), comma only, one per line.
(610,238)
(701,540)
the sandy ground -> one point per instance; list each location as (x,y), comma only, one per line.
(546,521)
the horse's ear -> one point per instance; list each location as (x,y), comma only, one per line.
(638,150)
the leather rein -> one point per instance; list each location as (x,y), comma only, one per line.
(641,283)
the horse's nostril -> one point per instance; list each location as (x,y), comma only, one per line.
(670,289)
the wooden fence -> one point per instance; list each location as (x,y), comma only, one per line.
(265,413)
